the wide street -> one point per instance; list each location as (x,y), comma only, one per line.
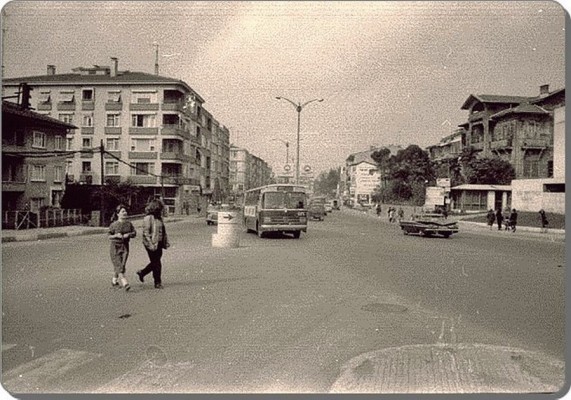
(274,315)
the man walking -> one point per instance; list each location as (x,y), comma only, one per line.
(499,218)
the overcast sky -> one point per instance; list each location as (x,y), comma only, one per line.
(389,72)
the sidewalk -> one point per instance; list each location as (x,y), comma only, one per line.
(482,228)
(24,235)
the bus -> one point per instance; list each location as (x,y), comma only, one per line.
(276,208)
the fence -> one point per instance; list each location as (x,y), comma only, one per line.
(44,219)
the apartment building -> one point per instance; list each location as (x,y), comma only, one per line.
(446,152)
(247,171)
(361,176)
(154,130)
(29,179)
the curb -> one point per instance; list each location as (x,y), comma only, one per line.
(54,235)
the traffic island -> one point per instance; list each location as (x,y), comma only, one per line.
(228,233)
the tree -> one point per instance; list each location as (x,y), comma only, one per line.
(326,182)
(412,165)
(489,171)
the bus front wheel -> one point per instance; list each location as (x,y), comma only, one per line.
(296,234)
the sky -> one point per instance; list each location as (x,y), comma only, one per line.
(390,73)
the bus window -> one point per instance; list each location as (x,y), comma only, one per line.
(274,200)
(296,200)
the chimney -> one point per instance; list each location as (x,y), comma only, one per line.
(114,66)
(51,69)
(543,90)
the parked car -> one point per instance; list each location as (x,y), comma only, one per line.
(213,210)
(429,224)
(328,207)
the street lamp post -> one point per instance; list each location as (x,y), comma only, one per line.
(298,107)
(287,149)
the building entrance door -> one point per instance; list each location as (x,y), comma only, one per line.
(497,200)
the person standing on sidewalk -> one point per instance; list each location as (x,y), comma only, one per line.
(544,222)
(499,218)
(513,219)
(491,217)
(121,232)
(378,209)
(155,239)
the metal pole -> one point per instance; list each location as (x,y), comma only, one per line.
(101,205)
(297,158)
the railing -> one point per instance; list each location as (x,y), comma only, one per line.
(44,219)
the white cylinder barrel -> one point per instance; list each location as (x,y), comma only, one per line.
(229,229)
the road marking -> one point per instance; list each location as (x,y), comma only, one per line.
(36,374)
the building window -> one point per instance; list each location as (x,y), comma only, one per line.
(57,195)
(143,169)
(69,143)
(144,145)
(45,96)
(550,169)
(59,143)
(86,167)
(67,96)
(69,167)
(38,173)
(530,169)
(39,140)
(58,173)
(554,188)
(143,120)
(112,144)
(144,97)
(114,96)
(111,168)
(86,142)
(87,95)
(87,120)
(66,117)
(37,203)
(113,120)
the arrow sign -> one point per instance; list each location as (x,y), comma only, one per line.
(228,217)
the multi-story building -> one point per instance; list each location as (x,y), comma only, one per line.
(446,152)
(154,130)
(33,159)
(362,176)
(247,171)
(514,128)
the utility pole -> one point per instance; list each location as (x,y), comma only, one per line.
(156,58)
(101,197)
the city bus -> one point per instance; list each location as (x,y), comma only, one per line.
(276,208)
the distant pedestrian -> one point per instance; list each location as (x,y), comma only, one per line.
(155,239)
(544,222)
(499,218)
(513,220)
(392,215)
(400,214)
(120,233)
(491,217)
(378,209)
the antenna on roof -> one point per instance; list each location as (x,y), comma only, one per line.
(156,57)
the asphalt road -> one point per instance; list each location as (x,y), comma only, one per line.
(276,314)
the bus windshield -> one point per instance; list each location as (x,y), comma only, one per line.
(280,200)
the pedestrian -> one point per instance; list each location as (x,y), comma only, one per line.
(400,214)
(445,212)
(491,217)
(499,218)
(121,232)
(392,215)
(155,239)
(378,209)
(513,220)
(544,222)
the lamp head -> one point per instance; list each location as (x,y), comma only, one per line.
(278,97)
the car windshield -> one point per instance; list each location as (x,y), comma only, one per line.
(284,200)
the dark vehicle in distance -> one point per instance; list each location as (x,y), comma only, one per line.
(317,208)
(429,224)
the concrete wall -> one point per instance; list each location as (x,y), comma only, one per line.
(528,195)
(559,143)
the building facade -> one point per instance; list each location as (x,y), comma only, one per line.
(247,171)
(30,180)
(153,130)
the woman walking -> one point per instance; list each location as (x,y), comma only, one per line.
(121,232)
(491,217)
(155,240)
(544,222)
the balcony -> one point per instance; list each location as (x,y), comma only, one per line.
(44,106)
(87,105)
(88,153)
(177,180)
(173,106)
(12,186)
(501,144)
(139,130)
(479,115)
(175,156)
(144,106)
(112,130)
(87,130)
(142,180)
(113,106)
(65,106)
(175,130)
(143,155)
(112,153)
(534,143)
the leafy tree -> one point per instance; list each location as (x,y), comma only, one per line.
(489,171)
(412,165)
(326,182)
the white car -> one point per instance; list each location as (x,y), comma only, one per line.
(328,206)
